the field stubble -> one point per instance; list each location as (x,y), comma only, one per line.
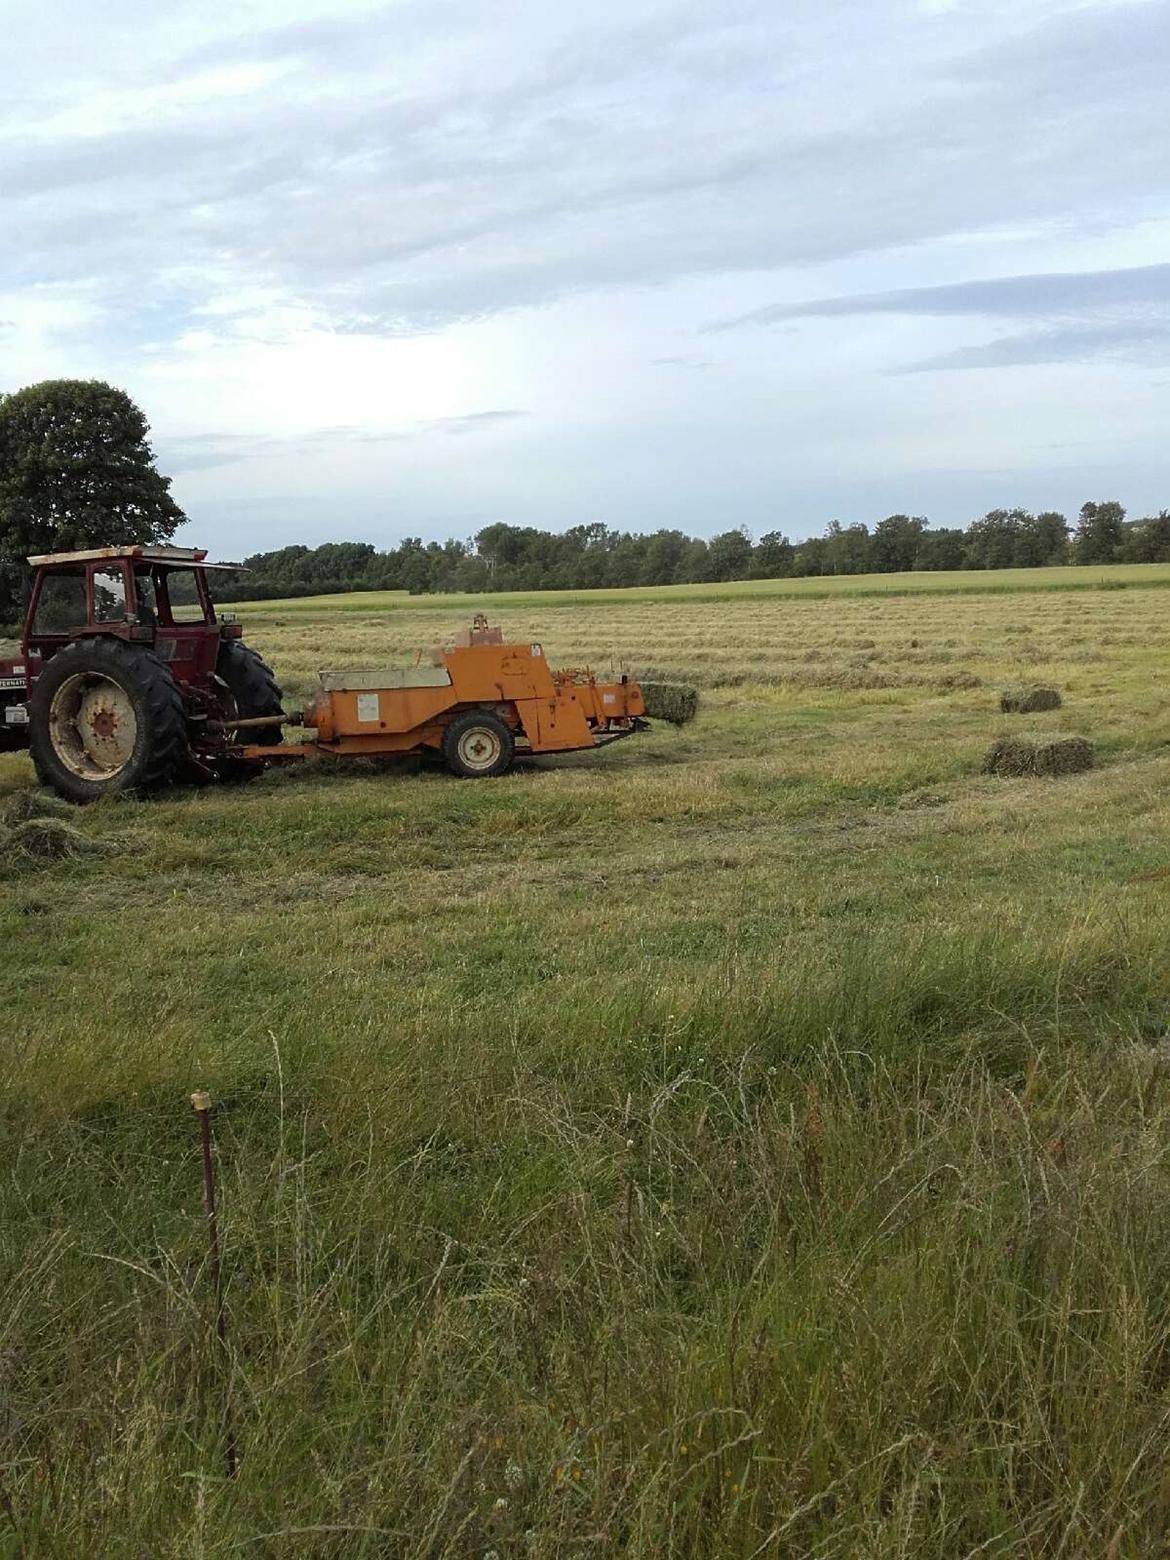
(747,1140)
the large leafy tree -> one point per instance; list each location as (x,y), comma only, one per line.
(76,470)
(1100,532)
(896,540)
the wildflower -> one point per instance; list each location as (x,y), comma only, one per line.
(501,1503)
(513,1476)
(683,1449)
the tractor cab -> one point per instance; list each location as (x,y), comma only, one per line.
(155,596)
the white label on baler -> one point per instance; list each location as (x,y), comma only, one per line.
(367,704)
(609,698)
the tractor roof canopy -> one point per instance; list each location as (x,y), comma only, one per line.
(156,557)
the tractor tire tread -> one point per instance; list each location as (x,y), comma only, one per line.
(166,748)
(255,691)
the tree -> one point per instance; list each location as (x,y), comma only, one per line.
(1040,539)
(991,541)
(809,557)
(76,470)
(729,555)
(1148,540)
(941,549)
(663,554)
(772,558)
(847,549)
(1100,531)
(895,543)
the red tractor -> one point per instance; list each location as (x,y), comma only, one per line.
(126,678)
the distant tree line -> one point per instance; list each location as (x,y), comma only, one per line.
(509,557)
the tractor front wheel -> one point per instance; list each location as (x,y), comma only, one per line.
(478,745)
(106,716)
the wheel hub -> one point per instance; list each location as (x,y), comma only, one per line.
(92,726)
(479,748)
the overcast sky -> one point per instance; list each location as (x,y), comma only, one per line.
(385,269)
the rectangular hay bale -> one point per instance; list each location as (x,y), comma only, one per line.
(676,702)
(1038,755)
(1027,700)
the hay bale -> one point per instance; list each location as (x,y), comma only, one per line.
(1038,755)
(676,702)
(1027,700)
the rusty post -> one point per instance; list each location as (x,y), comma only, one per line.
(202,1105)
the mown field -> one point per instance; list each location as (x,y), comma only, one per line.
(745,1141)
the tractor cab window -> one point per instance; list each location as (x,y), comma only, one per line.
(146,599)
(61,604)
(109,595)
(177,586)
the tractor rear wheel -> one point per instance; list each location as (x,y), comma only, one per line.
(106,716)
(250,690)
(478,745)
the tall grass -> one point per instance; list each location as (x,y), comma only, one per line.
(743,1142)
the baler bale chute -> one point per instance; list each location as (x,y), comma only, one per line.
(124,682)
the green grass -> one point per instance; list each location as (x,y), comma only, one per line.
(1065,577)
(747,1140)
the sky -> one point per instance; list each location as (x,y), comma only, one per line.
(377,270)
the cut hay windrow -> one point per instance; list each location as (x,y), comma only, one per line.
(677,703)
(1026,701)
(1038,755)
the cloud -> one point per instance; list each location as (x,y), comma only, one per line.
(411,166)
(1144,342)
(206,451)
(314,213)
(1122,314)
(473,422)
(1053,293)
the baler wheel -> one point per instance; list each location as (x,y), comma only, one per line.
(106,716)
(478,745)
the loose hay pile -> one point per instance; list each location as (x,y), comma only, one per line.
(35,827)
(34,804)
(50,839)
(1040,755)
(1025,701)
(676,702)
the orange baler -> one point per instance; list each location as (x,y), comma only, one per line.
(477,702)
